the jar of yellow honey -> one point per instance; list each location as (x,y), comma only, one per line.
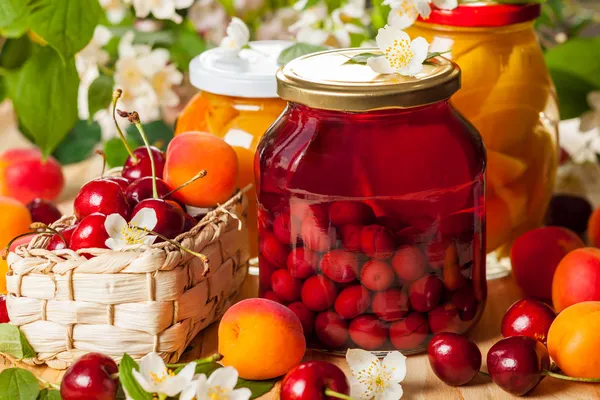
(508,95)
(237,101)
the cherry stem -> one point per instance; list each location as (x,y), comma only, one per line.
(103,155)
(199,175)
(37,228)
(116,95)
(140,128)
(192,252)
(484,373)
(331,393)
(569,378)
(206,360)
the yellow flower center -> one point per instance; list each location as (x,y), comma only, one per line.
(399,54)
(375,377)
(133,235)
(217,393)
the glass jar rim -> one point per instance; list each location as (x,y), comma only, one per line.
(325,80)
(483,15)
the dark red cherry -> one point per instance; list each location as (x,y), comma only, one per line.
(169,215)
(91,377)
(310,380)
(516,364)
(124,183)
(528,317)
(189,222)
(43,211)
(141,189)
(454,358)
(56,242)
(101,196)
(3,311)
(90,233)
(133,171)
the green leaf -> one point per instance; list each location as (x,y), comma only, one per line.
(158,133)
(12,13)
(67,25)
(116,153)
(100,94)
(2,89)
(575,70)
(297,50)
(79,143)
(18,384)
(133,388)
(310,3)
(48,394)
(258,388)
(14,343)
(436,54)
(15,52)
(44,94)
(361,58)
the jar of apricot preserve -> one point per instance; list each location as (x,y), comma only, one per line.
(371,205)
(237,101)
(508,95)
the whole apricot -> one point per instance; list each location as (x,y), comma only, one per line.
(15,220)
(260,338)
(25,175)
(191,152)
(573,340)
(577,278)
(535,256)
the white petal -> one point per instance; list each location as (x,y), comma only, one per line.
(126,45)
(392,392)
(202,388)
(145,218)
(180,4)
(226,377)
(399,19)
(102,35)
(419,46)
(359,360)
(148,240)
(386,37)
(381,65)
(142,8)
(360,391)
(152,363)
(589,120)
(593,99)
(187,373)
(312,36)
(240,394)
(142,381)
(423,7)
(189,392)
(114,225)
(446,4)
(163,9)
(115,244)
(395,362)
(411,69)
(343,37)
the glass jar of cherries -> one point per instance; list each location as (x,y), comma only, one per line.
(371,205)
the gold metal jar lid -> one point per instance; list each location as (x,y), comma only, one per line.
(327,81)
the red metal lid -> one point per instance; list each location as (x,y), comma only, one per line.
(484,14)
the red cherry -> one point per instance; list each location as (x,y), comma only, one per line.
(90,233)
(43,211)
(302,262)
(318,293)
(270,295)
(377,242)
(409,263)
(122,182)
(390,305)
(368,332)
(425,293)
(309,380)
(350,212)
(453,358)
(377,275)
(133,171)
(350,235)
(391,223)
(306,316)
(272,250)
(466,303)
(352,301)
(56,242)
(4,319)
(266,270)
(169,216)
(317,235)
(285,286)
(340,265)
(528,317)
(100,196)
(516,364)
(141,189)
(282,228)
(331,329)
(409,332)
(444,318)
(188,222)
(90,378)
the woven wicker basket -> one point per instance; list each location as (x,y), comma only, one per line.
(155,298)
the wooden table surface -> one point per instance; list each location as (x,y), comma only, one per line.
(420,382)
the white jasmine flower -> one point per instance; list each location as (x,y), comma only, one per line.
(161,9)
(309,28)
(154,377)
(219,386)
(276,25)
(591,119)
(405,12)
(210,18)
(582,147)
(376,379)
(400,54)
(243,6)
(238,36)
(123,234)
(115,10)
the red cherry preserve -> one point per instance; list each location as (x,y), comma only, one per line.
(371,205)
